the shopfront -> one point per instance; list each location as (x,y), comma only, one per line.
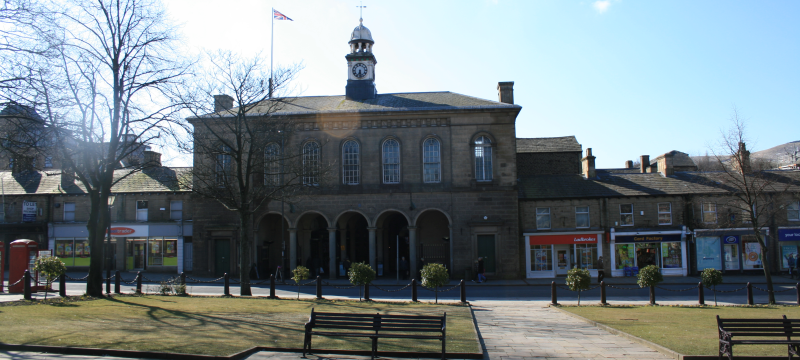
(664,249)
(789,243)
(553,254)
(729,249)
(154,247)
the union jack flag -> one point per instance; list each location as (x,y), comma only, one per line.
(278,16)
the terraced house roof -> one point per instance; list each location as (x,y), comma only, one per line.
(551,144)
(162,179)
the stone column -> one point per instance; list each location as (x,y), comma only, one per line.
(332,253)
(372,249)
(412,251)
(292,248)
(451,244)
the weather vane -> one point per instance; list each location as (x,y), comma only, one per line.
(361,11)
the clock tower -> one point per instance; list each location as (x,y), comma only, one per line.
(361,65)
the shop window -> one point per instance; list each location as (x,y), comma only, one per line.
(176,210)
(350,163)
(541,258)
(141,210)
(793,211)
(391,162)
(432,163)
(625,256)
(671,255)
(665,214)
(751,250)
(64,251)
(626,215)
(543,218)
(272,165)
(483,159)
(731,253)
(789,248)
(587,255)
(69,211)
(311,163)
(82,251)
(709,213)
(162,252)
(708,252)
(581,216)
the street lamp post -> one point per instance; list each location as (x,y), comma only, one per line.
(107,251)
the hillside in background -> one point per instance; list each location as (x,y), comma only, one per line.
(784,154)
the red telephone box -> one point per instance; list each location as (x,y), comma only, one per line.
(23,254)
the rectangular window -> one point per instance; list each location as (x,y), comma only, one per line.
(64,251)
(223,166)
(541,258)
(793,211)
(751,252)
(542,218)
(665,214)
(581,216)
(708,253)
(141,210)
(671,255)
(431,161)
(625,256)
(626,215)
(176,210)
(69,211)
(48,161)
(587,255)
(709,213)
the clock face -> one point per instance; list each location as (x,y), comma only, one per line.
(360,70)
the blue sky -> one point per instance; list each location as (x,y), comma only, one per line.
(626,77)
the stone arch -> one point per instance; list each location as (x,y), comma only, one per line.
(391,242)
(309,212)
(341,214)
(434,237)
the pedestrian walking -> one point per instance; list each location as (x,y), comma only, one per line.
(601,273)
(481,270)
(404,267)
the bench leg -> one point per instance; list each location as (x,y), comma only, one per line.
(443,347)
(374,347)
(307,344)
(794,350)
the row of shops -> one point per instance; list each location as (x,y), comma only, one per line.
(549,255)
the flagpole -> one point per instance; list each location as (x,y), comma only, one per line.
(271,47)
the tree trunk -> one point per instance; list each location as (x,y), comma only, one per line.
(95,227)
(245,239)
(765,264)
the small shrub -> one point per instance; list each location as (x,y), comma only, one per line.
(649,276)
(711,278)
(361,274)
(578,280)
(299,274)
(51,267)
(434,275)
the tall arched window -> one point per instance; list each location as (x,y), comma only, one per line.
(311,163)
(391,162)
(432,161)
(350,168)
(272,165)
(483,159)
(223,166)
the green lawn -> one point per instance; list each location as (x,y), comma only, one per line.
(687,330)
(211,326)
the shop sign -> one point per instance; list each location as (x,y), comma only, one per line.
(28,211)
(731,239)
(130,230)
(647,238)
(788,234)
(563,239)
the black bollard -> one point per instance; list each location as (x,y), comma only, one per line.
(319,288)
(183,278)
(749,294)
(797,287)
(463,292)
(272,286)
(117,282)
(701,296)
(652,295)
(553,295)
(366,292)
(603,293)
(139,282)
(414,290)
(227,291)
(27,285)
(62,285)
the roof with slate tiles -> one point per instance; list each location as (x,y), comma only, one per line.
(678,158)
(162,179)
(422,101)
(612,184)
(551,144)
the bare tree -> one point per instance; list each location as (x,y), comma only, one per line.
(752,197)
(239,143)
(102,99)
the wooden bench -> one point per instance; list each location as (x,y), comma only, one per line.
(375,326)
(765,332)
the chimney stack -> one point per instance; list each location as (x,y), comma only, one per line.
(222,103)
(741,161)
(152,159)
(505,92)
(629,164)
(644,163)
(588,165)
(666,165)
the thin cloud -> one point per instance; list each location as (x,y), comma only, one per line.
(601,6)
